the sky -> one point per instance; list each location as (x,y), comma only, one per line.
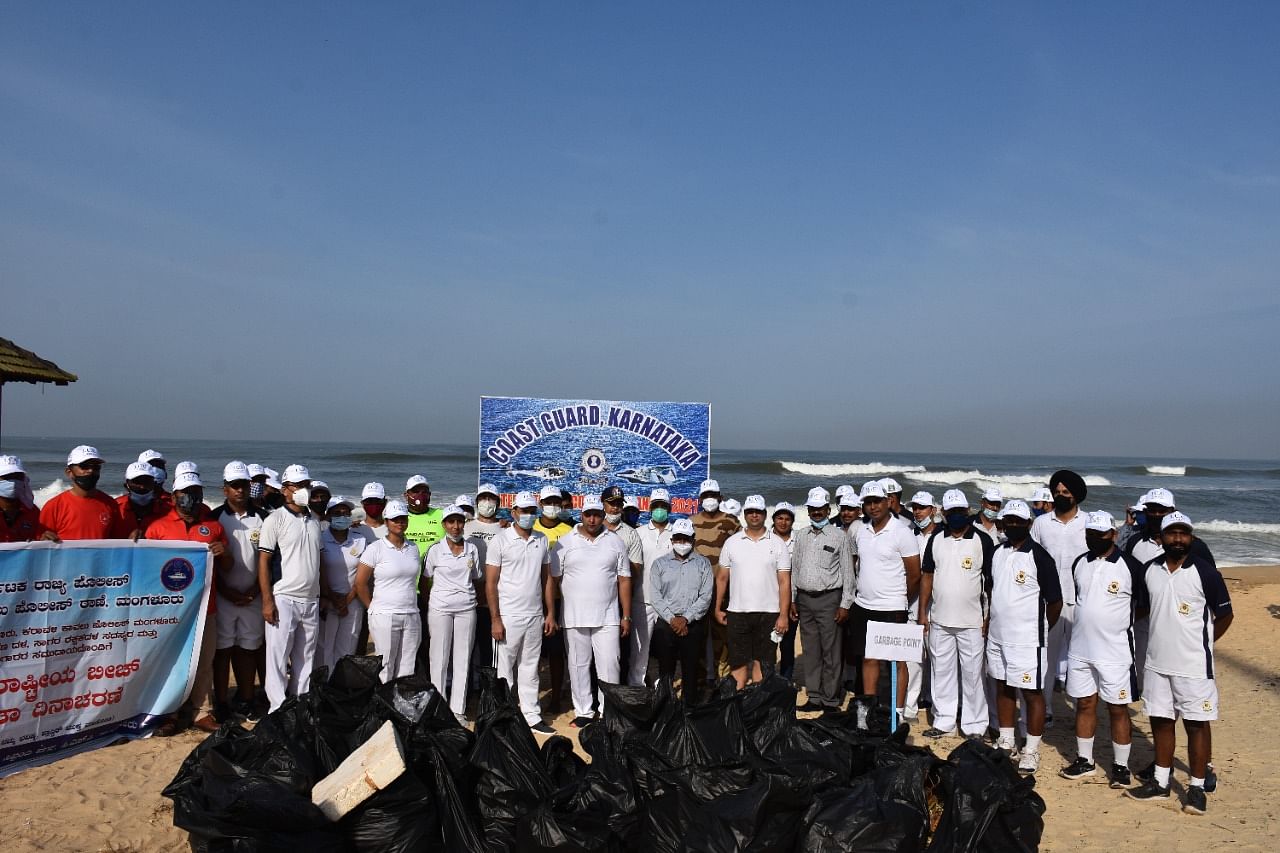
(939,227)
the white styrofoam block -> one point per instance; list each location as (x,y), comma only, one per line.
(377,763)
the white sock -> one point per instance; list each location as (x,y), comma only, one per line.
(1196,782)
(1162,775)
(1033,743)
(1006,735)
(1084,748)
(1122,752)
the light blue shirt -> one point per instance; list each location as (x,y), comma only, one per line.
(682,587)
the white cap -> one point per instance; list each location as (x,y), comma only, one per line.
(592,503)
(83,453)
(629,501)
(1176,517)
(525,500)
(256,470)
(235,470)
(994,496)
(464,501)
(139,469)
(1138,507)
(186,480)
(487,489)
(1016,507)
(730,507)
(783,506)
(660,495)
(682,527)
(317,485)
(1159,497)
(708,486)
(1100,521)
(921,499)
(845,489)
(452,509)
(890,486)
(395,509)
(148,455)
(340,500)
(11,465)
(186,467)
(1042,495)
(373,490)
(416,480)
(294,474)
(549,492)
(818,496)
(954,499)
(273,478)
(872,489)
(849,498)
(757,502)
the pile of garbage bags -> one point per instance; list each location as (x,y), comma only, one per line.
(737,773)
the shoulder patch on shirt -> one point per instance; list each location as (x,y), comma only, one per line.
(204,531)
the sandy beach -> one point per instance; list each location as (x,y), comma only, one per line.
(109,799)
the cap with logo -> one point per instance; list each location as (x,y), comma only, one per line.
(150,456)
(849,498)
(1158,497)
(682,527)
(783,506)
(1176,519)
(486,489)
(661,496)
(1100,521)
(613,493)
(415,481)
(1042,496)
(273,478)
(872,489)
(1015,507)
(730,507)
(549,492)
(186,480)
(708,486)
(452,510)
(591,503)
(993,496)
(256,470)
(630,502)
(139,469)
(818,496)
(235,470)
(11,465)
(84,453)
(891,486)
(340,500)
(186,467)
(320,486)
(845,489)
(954,499)
(921,499)
(373,491)
(395,509)
(464,501)
(754,502)
(296,474)
(525,500)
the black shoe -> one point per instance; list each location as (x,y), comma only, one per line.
(1210,781)
(542,729)
(1195,803)
(1120,776)
(934,733)
(1148,791)
(1079,769)
(1146,774)
(810,707)
(579,722)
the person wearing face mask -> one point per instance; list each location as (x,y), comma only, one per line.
(615,520)
(83,511)
(191,521)
(387,580)
(1190,611)
(712,528)
(784,522)
(1134,522)
(566,509)
(521,600)
(19,520)
(273,496)
(425,530)
(468,507)
(291,602)
(549,523)
(655,540)
(1110,593)
(257,485)
(138,506)
(452,566)
(1041,502)
(319,501)
(682,584)
(342,545)
(554,652)
(1025,603)
(822,590)
(921,508)
(631,512)
(1061,533)
(955,583)
(753,595)
(988,512)
(480,532)
(373,498)
(156,460)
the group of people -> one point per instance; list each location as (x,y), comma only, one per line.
(1013,599)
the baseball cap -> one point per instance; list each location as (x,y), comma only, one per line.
(1176,517)
(849,498)
(340,500)
(629,501)
(395,509)
(487,489)
(708,486)
(256,470)
(148,455)
(549,492)
(186,480)
(872,489)
(783,506)
(524,500)
(659,496)
(730,507)
(273,478)
(139,469)
(1100,521)
(464,501)
(613,493)
(452,509)
(891,486)
(415,481)
(757,502)
(320,486)
(374,491)
(1042,495)
(818,496)
(994,496)
(295,474)
(1159,497)
(11,465)
(682,527)
(1016,507)
(954,499)
(186,467)
(235,470)
(845,489)
(1138,507)
(591,503)
(921,499)
(84,453)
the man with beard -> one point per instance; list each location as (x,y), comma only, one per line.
(1061,533)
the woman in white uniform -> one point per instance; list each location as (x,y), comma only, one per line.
(453,565)
(340,614)
(387,584)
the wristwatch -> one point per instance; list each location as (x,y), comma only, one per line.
(626,618)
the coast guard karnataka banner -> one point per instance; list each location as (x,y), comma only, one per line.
(586,445)
(97,640)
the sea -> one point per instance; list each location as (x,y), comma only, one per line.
(1234,503)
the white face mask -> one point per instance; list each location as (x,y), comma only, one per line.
(612,517)
(682,549)
(301,496)
(525,520)
(454,538)
(487,508)
(550,511)
(710,504)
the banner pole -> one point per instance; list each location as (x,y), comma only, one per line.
(893,696)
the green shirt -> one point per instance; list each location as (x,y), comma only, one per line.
(425,529)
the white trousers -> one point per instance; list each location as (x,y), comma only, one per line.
(291,647)
(396,636)
(1141,633)
(640,637)
(958,676)
(915,670)
(1057,643)
(339,635)
(586,644)
(518,662)
(451,636)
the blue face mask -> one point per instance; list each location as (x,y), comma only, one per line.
(990,514)
(340,522)
(1140,520)
(143,499)
(818,525)
(957,520)
(525,520)
(922,524)
(8,489)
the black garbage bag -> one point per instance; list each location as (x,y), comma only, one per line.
(710,733)
(563,765)
(987,805)
(398,819)
(340,708)
(855,818)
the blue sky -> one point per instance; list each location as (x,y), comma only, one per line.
(1034,228)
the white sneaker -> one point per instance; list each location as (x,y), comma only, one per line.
(1010,747)
(1030,762)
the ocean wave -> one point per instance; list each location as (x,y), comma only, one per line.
(1167,470)
(868,469)
(1030,481)
(380,456)
(1220,526)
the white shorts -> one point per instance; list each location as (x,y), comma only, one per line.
(1114,682)
(1173,696)
(1017,666)
(240,626)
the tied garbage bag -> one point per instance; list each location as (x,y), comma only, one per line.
(855,818)
(987,805)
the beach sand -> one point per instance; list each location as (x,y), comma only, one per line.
(109,799)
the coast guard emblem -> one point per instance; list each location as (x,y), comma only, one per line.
(966,563)
(1207,706)
(1124,694)
(1114,588)
(1020,577)
(255,535)
(1026,678)
(204,531)
(1184,608)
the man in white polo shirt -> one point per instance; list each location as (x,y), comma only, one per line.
(1061,533)
(241,631)
(291,603)
(888,578)
(655,541)
(756,573)
(1190,611)
(591,567)
(1110,593)
(1025,603)
(954,589)
(521,603)
(989,510)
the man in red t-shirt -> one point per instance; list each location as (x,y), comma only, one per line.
(19,521)
(83,512)
(190,521)
(139,506)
